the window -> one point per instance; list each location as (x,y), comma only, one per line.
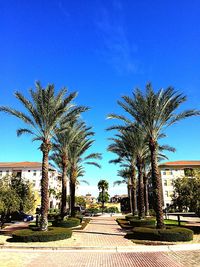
(170,183)
(166,193)
(0,173)
(167,172)
(29,170)
(34,173)
(165,182)
(7,172)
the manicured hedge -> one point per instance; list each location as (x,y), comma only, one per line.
(142,222)
(172,234)
(31,235)
(131,217)
(67,223)
(53,216)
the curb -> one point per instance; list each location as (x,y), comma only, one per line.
(132,249)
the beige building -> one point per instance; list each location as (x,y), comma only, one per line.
(32,171)
(171,171)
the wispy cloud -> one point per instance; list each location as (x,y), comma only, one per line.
(116,49)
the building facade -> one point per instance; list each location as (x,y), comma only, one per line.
(172,170)
(32,171)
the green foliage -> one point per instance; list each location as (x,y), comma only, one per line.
(171,234)
(130,216)
(103,197)
(33,235)
(112,210)
(103,185)
(80,201)
(24,190)
(172,222)
(187,193)
(142,222)
(67,223)
(93,210)
(16,194)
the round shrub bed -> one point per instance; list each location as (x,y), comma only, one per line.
(171,234)
(67,223)
(31,235)
(142,222)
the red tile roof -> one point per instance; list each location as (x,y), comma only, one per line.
(24,164)
(181,163)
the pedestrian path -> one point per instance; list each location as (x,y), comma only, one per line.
(101,232)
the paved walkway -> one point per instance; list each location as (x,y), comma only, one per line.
(104,235)
(101,232)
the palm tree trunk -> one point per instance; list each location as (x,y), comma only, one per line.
(72,198)
(157,185)
(140,191)
(64,190)
(130,196)
(103,202)
(133,193)
(45,148)
(146,195)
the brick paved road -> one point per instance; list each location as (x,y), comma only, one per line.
(85,259)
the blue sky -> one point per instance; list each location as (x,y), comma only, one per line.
(103,50)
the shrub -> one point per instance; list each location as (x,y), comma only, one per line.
(152,212)
(142,222)
(93,210)
(33,235)
(52,216)
(130,216)
(123,223)
(67,223)
(172,234)
(112,210)
(80,217)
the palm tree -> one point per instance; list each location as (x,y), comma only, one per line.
(132,146)
(126,159)
(61,144)
(103,186)
(45,110)
(77,149)
(154,112)
(128,176)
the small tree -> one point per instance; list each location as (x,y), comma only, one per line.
(103,195)
(187,193)
(16,194)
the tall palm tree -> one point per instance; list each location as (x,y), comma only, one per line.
(60,155)
(77,160)
(135,148)
(103,186)
(44,111)
(154,112)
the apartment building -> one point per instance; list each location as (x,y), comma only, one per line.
(171,171)
(32,171)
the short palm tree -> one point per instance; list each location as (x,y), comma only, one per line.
(103,186)
(128,178)
(154,112)
(44,112)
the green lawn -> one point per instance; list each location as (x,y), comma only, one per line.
(172,222)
